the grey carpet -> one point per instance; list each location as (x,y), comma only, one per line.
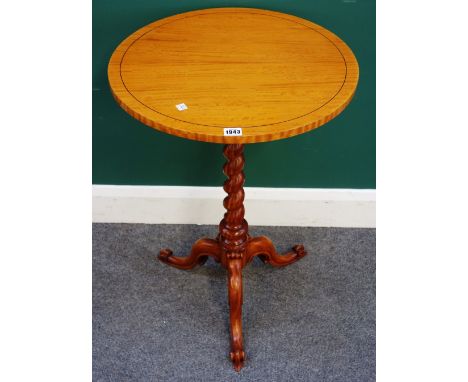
(311,321)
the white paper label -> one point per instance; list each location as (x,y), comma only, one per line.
(181,106)
(232,131)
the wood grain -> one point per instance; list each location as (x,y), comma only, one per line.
(272,74)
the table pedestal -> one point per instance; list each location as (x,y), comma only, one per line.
(233,247)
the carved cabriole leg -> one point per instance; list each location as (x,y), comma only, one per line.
(233,236)
(263,248)
(198,255)
(235,312)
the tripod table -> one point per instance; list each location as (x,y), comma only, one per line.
(233,76)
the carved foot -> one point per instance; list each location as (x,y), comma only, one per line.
(263,248)
(237,359)
(237,354)
(198,255)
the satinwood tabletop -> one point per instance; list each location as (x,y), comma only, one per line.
(265,74)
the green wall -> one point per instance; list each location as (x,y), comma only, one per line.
(340,154)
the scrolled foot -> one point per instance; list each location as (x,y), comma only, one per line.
(164,254)
(198,255)
(238,358)
(299,250)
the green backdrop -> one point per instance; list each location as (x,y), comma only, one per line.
(340,154)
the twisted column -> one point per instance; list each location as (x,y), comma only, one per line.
(233,229)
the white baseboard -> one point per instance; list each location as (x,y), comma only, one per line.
(264,206)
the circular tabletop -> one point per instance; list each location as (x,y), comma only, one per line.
(233,75)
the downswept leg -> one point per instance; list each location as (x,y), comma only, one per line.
(198,255)
(237,354)
(263,248)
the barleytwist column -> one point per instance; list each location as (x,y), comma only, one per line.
(233,229)
(233,236)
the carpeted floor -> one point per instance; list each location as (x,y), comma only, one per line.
(311,321)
